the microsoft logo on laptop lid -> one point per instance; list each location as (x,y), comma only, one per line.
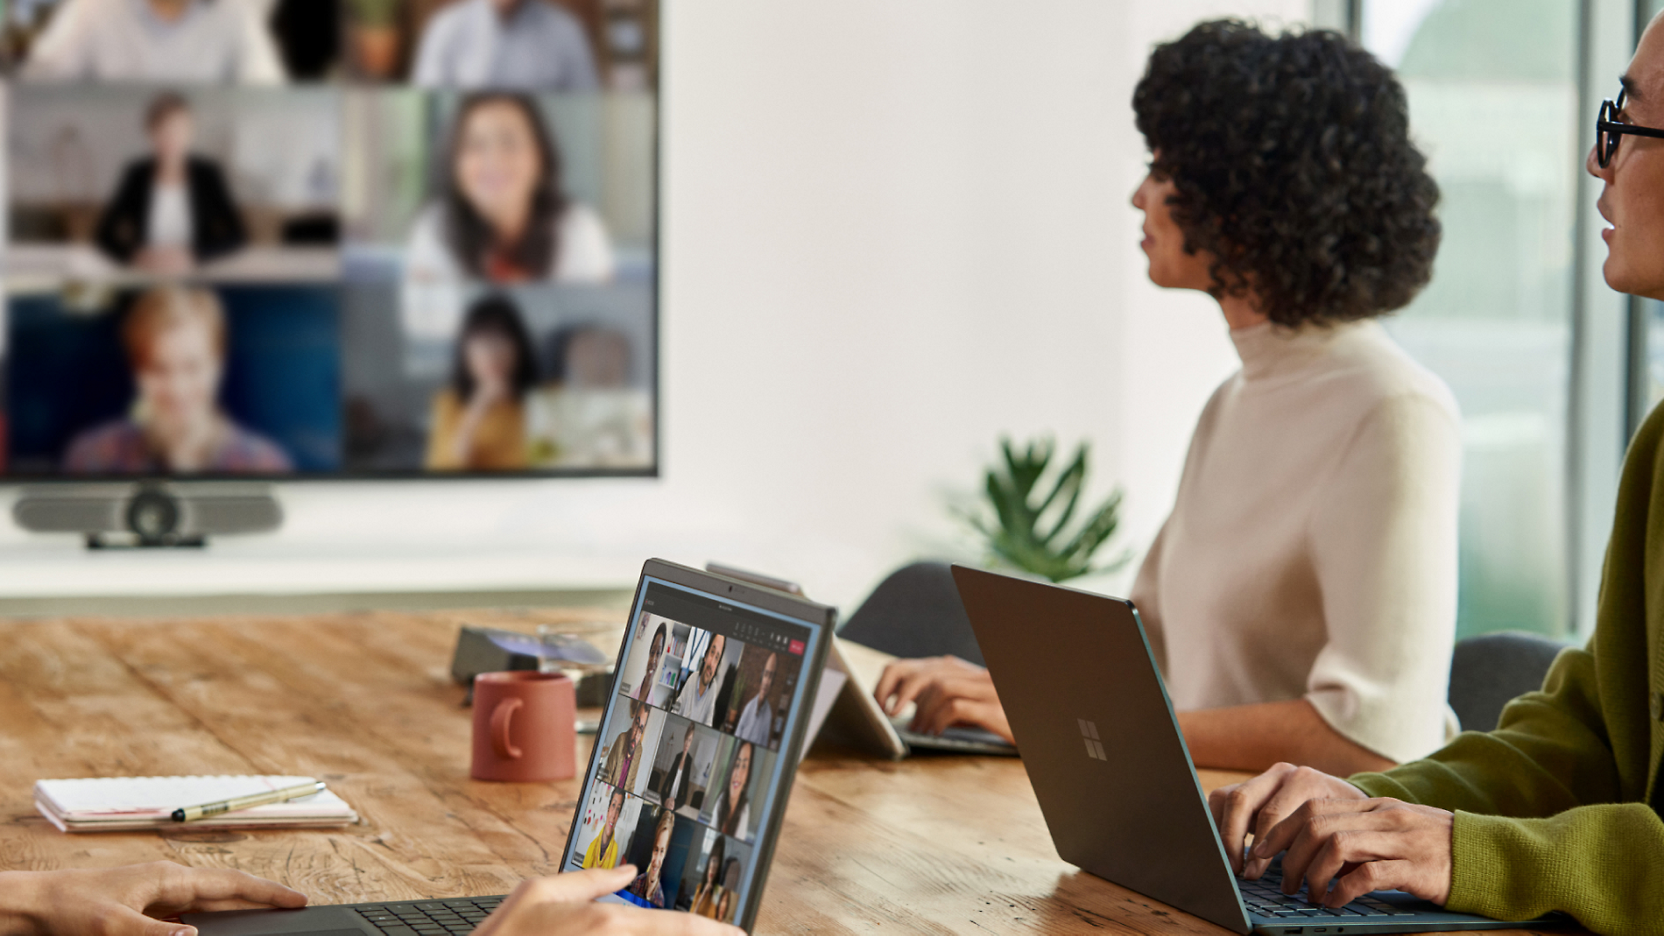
(1089,733)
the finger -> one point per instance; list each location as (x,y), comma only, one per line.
(1343,849)
(959,703)
(1216,805)
(577,886)
(1395,874)
(913,685)
(125,921)
(1241,804)
(184,889)
(929,714)
(1323,826)
(1284,816)
(890,681)
(959,711)
(1292,833)
(682,924)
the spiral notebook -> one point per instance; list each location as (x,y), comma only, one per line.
(103,804)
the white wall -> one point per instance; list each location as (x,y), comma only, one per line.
(895,230)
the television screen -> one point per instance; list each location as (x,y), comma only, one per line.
(329,238)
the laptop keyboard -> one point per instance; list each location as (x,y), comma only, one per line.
(429,917)
(1266,898)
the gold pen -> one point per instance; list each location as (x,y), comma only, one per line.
(187,813)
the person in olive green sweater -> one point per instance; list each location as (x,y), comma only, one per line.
(1558,809)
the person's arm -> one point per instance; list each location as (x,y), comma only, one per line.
(1545,812)
(1383,548)
(119,232)
(566,905)
(219,223)
(1524,842)
(1248,737)
(950,691)
(128,901)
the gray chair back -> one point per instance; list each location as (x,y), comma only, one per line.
(1489,671)
(915,613)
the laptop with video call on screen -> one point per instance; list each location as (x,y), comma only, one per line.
(1108,763)
(688,778)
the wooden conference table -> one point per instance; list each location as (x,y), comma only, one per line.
(365,701)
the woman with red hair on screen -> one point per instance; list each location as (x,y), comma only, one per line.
(175,338)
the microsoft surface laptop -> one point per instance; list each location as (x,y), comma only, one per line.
(1103,750)
(687,785)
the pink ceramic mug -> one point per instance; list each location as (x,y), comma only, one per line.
(524,727)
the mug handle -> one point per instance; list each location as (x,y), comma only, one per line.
(501,718)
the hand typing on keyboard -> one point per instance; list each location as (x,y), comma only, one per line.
(564,905)
(1330,834)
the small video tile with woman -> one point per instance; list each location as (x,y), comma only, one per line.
(685,762)
(473,183)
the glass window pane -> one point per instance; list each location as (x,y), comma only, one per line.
(1493,102)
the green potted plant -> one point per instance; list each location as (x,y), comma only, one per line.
(1028,511)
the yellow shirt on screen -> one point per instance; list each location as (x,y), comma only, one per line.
(498,443)
(595,858)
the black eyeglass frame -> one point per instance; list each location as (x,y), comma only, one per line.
(1609,133)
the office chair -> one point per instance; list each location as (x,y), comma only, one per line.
(1488,671)
(915,613)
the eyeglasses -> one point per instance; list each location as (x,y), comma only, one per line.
(1609,130)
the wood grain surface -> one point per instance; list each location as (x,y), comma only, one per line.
(365,702)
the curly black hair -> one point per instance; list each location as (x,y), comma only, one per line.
(1292,165)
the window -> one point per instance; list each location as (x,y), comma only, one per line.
(1552,368)
(1497,320)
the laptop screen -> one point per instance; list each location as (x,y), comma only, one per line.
(685,779)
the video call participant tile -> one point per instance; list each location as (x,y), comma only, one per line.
(738,780)
(710,880)
(627,757)
(682,769)
(609,821)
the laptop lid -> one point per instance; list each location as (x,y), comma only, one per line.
(1100,741)
(699,741)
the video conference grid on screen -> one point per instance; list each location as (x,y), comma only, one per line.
(315,237)
(685,763)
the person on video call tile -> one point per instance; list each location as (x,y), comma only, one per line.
(198,41)
(624,760)
(175,338)
(501,213)
(757,717)
(697,702)
(709,892)
(655,655)
(603,851)
(678,777)
(173,209)
(479,421)
(528,45)
(649,885)
(728,904)
(732,815)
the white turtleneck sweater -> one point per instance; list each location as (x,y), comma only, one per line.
(1312,549)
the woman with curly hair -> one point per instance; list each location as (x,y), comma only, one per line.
(1301,597)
